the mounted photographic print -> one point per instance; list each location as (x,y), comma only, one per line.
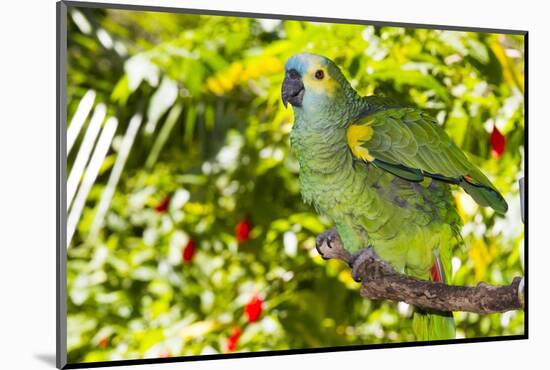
(234,184)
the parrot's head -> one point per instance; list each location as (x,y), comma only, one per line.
(314,85)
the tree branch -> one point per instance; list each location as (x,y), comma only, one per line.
(381,281)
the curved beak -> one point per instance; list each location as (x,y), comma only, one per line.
(293,89)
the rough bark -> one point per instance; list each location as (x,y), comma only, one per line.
(381,281)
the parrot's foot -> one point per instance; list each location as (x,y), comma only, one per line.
(358,261)
(329,245)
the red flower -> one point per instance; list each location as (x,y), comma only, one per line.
(163,205)
(498,143)
(103,342)
(242,231)
(231,344)
(253,309)
(188,251)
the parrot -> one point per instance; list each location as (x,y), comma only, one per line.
(383,174)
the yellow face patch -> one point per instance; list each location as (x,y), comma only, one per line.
(357,135)
(327,85)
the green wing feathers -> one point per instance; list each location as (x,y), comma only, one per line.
(410,144)
(486,196)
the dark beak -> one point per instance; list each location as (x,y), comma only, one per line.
(293,89)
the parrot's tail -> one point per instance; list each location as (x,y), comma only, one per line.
(434,325)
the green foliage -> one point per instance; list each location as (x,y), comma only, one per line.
(212,152)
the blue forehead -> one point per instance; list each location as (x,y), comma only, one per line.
(301,62)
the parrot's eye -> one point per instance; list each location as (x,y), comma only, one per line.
(319,74)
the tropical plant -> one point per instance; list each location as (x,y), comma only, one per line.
(187,232)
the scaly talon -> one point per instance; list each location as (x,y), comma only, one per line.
(329,246)
(358,261)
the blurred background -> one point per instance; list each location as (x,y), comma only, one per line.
(186,230)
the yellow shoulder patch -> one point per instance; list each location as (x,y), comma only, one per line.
(357,135)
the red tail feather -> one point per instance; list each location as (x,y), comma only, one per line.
(437,271)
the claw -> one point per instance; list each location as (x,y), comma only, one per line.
(358,261)
(319,243)
(329,247)
(323,239)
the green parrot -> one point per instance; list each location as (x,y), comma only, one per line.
(383,174)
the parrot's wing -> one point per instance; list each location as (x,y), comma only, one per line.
(410,144)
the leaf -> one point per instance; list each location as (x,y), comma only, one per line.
(413,78)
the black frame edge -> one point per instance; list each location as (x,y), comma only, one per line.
(61,163)
(526,186)
(166,9)
(303,351)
